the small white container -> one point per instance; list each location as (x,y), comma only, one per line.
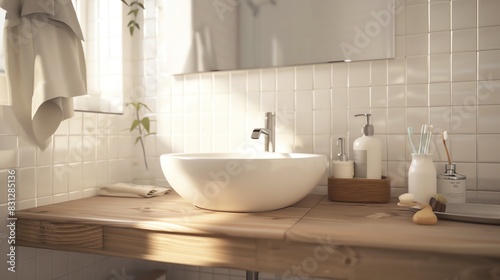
(343,169)
(422,181)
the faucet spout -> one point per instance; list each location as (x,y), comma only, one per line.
(269,131)
(258,131)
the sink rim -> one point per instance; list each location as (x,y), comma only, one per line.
(241,156)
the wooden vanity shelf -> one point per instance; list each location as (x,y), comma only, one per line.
(340,240)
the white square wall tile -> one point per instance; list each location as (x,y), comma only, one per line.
(400,46)
(463,93)
(463,119)
(488,13)
(379,73)
(440,16)
(61,146)
(378,97)
(396,96)
(26,152)
(253,80)
(488,177)
(359,74)
(339,74)
(359,98)
(440,68)
(464,66)
(304,100)
(396,121)
(339,98)
(322,122)
(440,118)
(440,42)
(239,81)
(462,148)
(488,92)
(339,122)
(285,78)
(396,71)
(44,265)
(285,101)
(417,69)
(75,178)
(417,95)
(488,148)
(489,62)
(267,80)
(304,77)
(464,40)
(396,144)
(221,82)
(487,119)
(379,120)
(440,94)
(464,14)
(43,181)
(8,151)
(322,99)
(60,178)
(322,76)
(417,44)
(489,38)
(304,122)
(26,183)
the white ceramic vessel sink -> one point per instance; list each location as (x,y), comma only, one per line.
(243,182)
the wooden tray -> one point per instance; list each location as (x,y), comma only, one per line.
(359,190)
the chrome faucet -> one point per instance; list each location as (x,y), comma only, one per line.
(269,131)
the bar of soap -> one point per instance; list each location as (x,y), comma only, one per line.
(425,216)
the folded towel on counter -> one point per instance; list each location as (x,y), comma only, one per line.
(44,64)
(131,190)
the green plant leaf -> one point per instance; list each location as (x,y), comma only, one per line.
(146,106)
(131,30)
(131,23)
(135,123)
(137,3)
(137,139)
(125,2)
(145,123)
(133,11)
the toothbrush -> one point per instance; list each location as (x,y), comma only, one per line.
(423,136)
(410,134)
(429,137)
(445,137)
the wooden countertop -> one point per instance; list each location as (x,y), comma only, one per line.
(314,237)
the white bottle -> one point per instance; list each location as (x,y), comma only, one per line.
(367,153)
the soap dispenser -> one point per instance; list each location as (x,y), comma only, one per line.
(367,152)
(343,167)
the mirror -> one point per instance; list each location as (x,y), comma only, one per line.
(227,34)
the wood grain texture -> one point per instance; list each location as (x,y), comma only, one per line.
(57,234)
(359,190)
(315,237)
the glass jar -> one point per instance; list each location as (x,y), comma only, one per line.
(422,178)
(452,185)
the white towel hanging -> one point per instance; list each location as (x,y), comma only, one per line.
(44,62)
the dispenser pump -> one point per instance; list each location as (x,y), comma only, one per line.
(342,155)
(367,129)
